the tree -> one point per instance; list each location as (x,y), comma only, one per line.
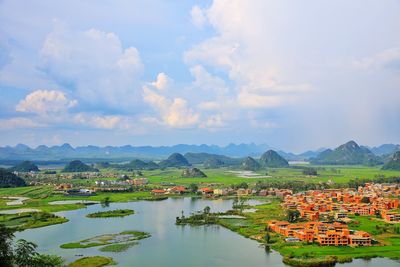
(267,237)
(105,202)
(207,210)
(365,200)
(193,188)
(44,260)
(24,252)
(310,171)
(6,251)
(293,215)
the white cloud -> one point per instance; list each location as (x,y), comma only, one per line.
(198,17)
(18,122)
(213,122)
(94,64)
(249,99)
(162,82)
(205,81)
(387,59)
(174,112)
(244,51)
(45,103)
(97,121)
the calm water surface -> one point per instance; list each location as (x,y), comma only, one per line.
(169,245)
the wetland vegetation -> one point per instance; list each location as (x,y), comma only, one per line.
(111,213)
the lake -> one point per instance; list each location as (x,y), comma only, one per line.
(169,245)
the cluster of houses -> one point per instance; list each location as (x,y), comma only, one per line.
(315,206)
(325,234)
(369,200)
(106,185)
(123,182)
(217,192)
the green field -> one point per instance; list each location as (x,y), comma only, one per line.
(337,174)
(254,226)
(40,196)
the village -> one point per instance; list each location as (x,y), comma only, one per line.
(326,214)
(314,216)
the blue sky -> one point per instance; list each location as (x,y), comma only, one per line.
(292,74)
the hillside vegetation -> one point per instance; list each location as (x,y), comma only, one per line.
(9,179)
(78,166)
(347,154)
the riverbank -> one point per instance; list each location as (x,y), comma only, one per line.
(30,220)
(254,226)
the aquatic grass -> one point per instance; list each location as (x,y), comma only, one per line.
(118,247)
(95,261)
(107,239)
(111,213)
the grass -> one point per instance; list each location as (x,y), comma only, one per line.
(254,227)
(108,239)
(28,220)
(111,213)
(95,261)
(40,196)
(337,174)
(118,247)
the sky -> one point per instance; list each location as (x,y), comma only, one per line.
(295,75)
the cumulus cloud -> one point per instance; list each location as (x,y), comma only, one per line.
(240,49)
(45,102)
(97,121)
(207,82)
(174,112)
(162,81)
(94,65)
(198,17)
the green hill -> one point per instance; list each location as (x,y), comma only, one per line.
(213,163)
(272,159)
(347,154)
(8,179)
(25,166)
(394,162)
(250,164)
(137,164)
(193,173)
(78,166)
(201,158)
(175,160)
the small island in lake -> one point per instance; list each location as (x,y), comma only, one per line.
(95,261)
(111,213)
(108,239)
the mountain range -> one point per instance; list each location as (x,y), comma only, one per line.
(220,154)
